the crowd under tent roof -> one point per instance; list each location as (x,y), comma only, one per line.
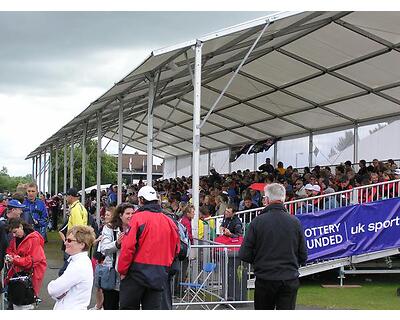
(308,72)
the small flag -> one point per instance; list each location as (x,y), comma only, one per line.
(316,151)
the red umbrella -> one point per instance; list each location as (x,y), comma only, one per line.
(259,186)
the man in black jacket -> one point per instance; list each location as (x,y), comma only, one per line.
(275,245)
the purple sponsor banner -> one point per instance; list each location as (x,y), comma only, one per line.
(352,230)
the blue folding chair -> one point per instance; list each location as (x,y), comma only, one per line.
(194,289)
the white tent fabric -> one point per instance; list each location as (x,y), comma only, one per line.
(310,72)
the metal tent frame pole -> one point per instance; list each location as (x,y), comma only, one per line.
(33,168)
(49,187)
(56,174)
(120,147)
(196,135)
(275,154)
(40,173)
(355,154)
(310,149)
(44,171)
(98,173)
(65,179)
(150,106)
(83,187)
(71,165)
(36,169)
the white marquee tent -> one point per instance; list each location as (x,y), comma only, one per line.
(285,75)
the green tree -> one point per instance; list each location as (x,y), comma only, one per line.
(108,167)
(8,183)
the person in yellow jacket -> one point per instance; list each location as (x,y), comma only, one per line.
(78,214)
(204,219)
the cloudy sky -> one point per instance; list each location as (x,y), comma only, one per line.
(54,64)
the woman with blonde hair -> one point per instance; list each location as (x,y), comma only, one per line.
(73,289)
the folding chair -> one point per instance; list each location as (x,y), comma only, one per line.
(195,288)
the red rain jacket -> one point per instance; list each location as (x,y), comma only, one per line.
(29,250)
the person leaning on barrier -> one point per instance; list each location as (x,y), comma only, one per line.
(231,225)
(275,245)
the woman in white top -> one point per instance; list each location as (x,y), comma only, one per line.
(116,220)
(73,289)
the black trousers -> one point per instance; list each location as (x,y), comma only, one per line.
(111,299)
(132,294)
(275,294)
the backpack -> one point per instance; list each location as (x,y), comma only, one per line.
(184,241)
(183,236)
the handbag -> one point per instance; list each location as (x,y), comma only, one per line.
(20,289)
(106,276)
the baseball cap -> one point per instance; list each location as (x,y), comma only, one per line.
(73,192)
(148,193)
(309,187)
(396,172)
(316,188)
(15,204)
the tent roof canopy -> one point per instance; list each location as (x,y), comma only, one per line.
(310,72)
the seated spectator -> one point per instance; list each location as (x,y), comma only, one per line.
(221,202)
(280,169)
(231,225)
(299,189)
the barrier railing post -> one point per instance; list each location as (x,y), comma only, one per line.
(2,286)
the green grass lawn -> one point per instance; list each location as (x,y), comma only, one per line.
(370,296)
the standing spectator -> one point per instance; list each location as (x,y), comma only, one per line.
(73,289)
(147,252)
(35,212)
(3,204)
(78,214)
(112,198)
(204,219)
(26,253)
(110,246)
(186,220)
(267,166)
(275,245)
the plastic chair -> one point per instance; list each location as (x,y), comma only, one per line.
(195,288)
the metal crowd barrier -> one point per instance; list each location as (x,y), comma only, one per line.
(2,304)
(358,195)
(226,284)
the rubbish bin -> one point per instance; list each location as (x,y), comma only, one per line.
(237,277)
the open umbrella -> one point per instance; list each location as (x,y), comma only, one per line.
(259,186)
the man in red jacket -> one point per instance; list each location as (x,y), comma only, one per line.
(147,252)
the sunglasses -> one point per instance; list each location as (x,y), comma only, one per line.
(70,240)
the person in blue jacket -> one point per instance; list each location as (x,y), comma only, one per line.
(35,211)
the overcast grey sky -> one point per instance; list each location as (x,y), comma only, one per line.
(54,64)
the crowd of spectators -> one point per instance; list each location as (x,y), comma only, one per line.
(219,190)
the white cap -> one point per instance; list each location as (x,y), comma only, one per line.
(397,172)
(316,188)
(309,187)
(148,193)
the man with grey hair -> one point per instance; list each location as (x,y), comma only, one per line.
(275,245)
